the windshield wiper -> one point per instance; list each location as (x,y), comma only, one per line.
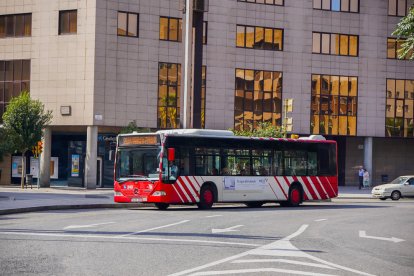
(132,177)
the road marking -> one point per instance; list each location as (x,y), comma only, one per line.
(229,229)
(214,216)
(281,248)
(363,234)
(137,238)
(239,271)
(282,261)
(86,226)
(320,220)
(155,228)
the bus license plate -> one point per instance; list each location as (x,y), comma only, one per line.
(138,199)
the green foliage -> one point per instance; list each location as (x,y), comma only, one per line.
(265,129)
(4,145)
(24,121)
(405,30)
(132,126)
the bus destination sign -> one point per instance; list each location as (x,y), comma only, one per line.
(138,140)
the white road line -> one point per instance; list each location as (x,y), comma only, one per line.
(297,233)
(320,220)
(277,270)
(363,234)
(281,248)
(155,228)
(86,226)
(214,216)
(125,238)
(282,261)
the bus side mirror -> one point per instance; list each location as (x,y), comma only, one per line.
(171,154)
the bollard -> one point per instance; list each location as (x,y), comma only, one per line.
(29,180)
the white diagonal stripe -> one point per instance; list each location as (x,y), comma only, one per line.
(256,270)
(182,200)
(320,183)
(190,188)
(305,189)
(284,185)
(282,261)
(183,190)
(313,187)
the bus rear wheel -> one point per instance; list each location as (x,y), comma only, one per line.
(206,198)
(162,206)
(254,204)
(295,197)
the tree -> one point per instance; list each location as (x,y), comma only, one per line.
(132,126)
(405,32)
(23,122)
(264,129)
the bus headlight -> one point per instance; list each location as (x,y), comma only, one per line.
(118,194)
(159,193)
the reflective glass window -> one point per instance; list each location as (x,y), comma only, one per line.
(325,43)
(68,21)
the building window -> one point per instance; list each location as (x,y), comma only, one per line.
(171,29)
(399,7)
(169,87)
(337,5)
(68,22)
(15,25)
(334,105)
(399,113)
(258,98)
(393,46)
(14,78)
(128,24)
(266,2)
(335,44)
(263,38)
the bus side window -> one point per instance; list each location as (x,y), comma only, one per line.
(312,163)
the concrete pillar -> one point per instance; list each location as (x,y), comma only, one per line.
(368,145)
(91,157)
(44,167)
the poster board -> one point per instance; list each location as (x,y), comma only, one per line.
(74,172)
(54,167)
(17,166)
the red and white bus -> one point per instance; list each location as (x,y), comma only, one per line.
(193,166)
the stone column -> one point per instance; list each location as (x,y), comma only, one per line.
(44,166)
(368,144)
(91,157)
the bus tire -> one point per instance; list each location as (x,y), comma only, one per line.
(254,204)
(207,197)
(162,206)
(295,197)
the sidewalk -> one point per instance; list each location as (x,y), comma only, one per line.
(15,200)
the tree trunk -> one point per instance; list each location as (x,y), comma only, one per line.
(23,169)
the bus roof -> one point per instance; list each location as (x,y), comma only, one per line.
(214,133)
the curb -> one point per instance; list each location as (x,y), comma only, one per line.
(72,207)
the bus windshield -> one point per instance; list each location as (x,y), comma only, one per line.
(138,164)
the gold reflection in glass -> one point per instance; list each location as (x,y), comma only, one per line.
(240,36)
(344,86)
(343,125)
(277,39)
(334,85)
(257,98)
(352,125)
(163,28)
(344,45)
(259,38)
(353,45)
(334,44)
(390,48)
(249,37)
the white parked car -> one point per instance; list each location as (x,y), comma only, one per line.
(402,186)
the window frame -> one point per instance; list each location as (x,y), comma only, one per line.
(396,8)
(13,17)
(255,2)
(394,100)
(340,6)
(62,32)
(332,115)
(127,24)
(330,44)
(264,37)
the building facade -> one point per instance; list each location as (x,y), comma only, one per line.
(100,64)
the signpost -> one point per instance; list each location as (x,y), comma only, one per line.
(287,121)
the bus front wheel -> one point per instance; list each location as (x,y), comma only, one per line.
(162,206)
(206,198)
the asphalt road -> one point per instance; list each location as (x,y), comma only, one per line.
(342,237)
